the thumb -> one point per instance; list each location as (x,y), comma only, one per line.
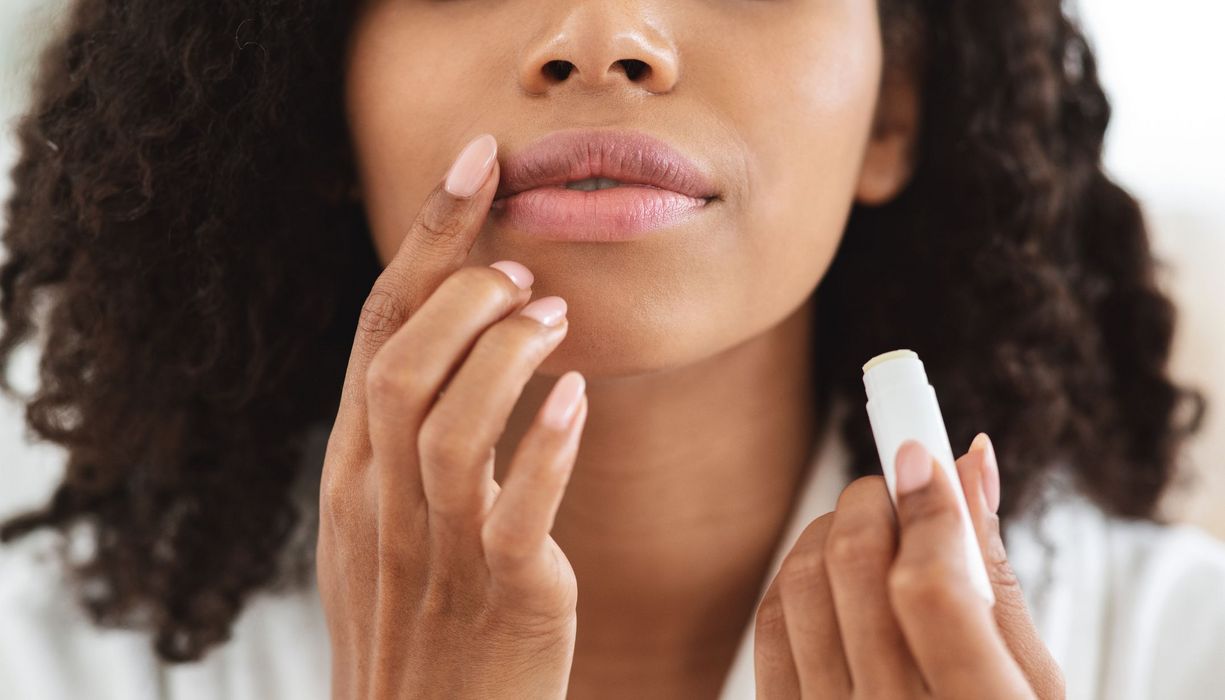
(980,479)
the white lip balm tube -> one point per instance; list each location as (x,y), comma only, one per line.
(902,406)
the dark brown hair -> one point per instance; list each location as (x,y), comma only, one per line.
(178,231)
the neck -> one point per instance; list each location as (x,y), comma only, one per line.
(682,486)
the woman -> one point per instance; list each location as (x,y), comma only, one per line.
(315,254)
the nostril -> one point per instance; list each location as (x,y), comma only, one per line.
(633,68)
(558,69)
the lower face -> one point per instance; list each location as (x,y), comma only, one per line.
(773,98)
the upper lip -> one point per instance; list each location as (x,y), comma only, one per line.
(631,157)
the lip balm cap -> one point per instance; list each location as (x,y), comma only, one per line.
(893,369)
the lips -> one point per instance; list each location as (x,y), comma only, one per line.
(659,188)
(629,157)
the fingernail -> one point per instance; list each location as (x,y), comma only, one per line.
(547,310)
(520,275)
(914,466)
(563,400)
(472,166)
(990,471)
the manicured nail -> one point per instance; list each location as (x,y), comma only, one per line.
(914,466)
(991,471)
(472,166)
(548,310)
(563,400)
(520,275)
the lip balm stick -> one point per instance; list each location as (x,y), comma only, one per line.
(902,406)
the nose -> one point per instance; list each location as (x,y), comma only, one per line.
(599,46)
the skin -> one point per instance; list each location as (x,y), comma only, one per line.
(873,603)
(662,522)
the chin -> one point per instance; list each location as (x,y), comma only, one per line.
(611,352)
(636,346)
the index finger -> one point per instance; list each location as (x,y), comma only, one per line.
(437,244)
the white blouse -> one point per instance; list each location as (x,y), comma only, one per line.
(1130,610)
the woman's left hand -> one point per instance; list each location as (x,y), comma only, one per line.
(859,609)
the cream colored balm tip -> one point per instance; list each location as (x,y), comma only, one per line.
(885,357)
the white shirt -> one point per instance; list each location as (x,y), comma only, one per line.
(1130,610)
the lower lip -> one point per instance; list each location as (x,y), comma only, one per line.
(619,213)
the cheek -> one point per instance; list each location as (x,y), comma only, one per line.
(408,111)
(805,110)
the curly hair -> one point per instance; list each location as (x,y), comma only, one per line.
(179,210)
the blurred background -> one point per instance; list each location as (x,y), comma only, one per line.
(1159,62)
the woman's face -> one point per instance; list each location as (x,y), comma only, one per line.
(774,99)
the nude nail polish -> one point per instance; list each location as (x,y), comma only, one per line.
(563,400)
(548,310)
(520,275)
(472,166)
(990,471)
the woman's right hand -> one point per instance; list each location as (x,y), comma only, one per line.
(435,581)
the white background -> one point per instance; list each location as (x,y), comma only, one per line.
(1163,67)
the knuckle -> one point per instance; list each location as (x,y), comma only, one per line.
(332,494)
(389,384)
(383,312)
(1002,575)
(442,443)
(862,489)
(851,548)
(771,618)
(383,382)
(339,503)
(995,555)
(439,225)
(804,565)
(932,586)
(993,526)
(504,550)
(801,573)
(515,338)
(482,284)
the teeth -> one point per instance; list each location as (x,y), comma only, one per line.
(592,184)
